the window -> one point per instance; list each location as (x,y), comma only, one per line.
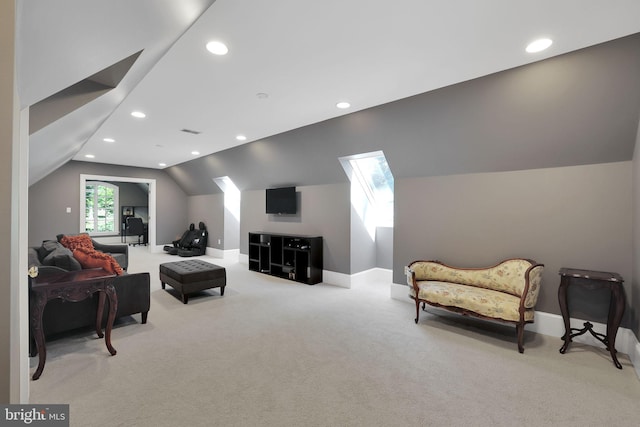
(372,174)
(101,202)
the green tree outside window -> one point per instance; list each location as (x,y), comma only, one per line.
(101,201)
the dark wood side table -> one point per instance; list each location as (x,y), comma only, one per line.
(593,279)
(72,286)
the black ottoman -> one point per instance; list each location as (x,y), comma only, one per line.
(191,276)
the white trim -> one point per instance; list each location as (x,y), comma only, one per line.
(337,279)
(545,323)
(152,199)
(116,209)
(552,325)
(360,278)
(228,254)
(18,326)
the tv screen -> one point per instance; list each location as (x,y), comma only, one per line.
(281,200)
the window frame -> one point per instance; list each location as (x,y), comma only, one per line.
(116,208)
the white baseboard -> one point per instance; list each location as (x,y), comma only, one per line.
(545,323)
(363,277)
(337,279)
(553,325)
(229,254)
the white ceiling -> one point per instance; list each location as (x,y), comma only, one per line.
(306,55)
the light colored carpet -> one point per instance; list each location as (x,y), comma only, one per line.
(277,353)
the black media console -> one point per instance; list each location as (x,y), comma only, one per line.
(288,256)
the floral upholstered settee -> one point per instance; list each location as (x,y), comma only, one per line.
(507,292)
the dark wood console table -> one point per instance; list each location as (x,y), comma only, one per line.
(72,286)
(593,279)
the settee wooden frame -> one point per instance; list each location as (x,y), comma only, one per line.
(519,324)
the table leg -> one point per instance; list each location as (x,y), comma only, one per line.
(113,306)
(37,308)
(616,310)
(101,298)
(564,309)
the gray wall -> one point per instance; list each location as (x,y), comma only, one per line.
(49,198)
(363,246)
(575,109)
(210,210)
(324,210)
(132,194)
(384,247)
(231,238)
(634,295)
(578,216)
(578,108)
(459,144)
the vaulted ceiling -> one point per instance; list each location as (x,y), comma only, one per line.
(85,65)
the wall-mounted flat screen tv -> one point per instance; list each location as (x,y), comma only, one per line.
(281,200)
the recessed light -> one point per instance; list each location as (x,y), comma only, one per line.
(539,45)
(343,105)
(109,140)
(90,156)
(162,164)
(138,114)
(241,137)
(217,48)
(195,153)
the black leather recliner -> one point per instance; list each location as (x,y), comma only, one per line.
(192,243)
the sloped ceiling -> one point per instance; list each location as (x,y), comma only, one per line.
(64,42)
(304,55)
(579,108)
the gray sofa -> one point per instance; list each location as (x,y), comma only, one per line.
(133,290)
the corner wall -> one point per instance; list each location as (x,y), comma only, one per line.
(324,211)
(577,216)
(210,210)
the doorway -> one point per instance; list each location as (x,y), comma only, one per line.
(151,204)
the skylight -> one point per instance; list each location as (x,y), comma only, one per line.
(372,174)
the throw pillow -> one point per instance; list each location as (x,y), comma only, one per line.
(78,241)
(47,247)
(63,258)
(91,258)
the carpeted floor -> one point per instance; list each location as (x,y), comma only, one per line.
(277,353)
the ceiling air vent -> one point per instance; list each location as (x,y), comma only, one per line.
(191,131)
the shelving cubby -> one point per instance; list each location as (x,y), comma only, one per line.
(287,256)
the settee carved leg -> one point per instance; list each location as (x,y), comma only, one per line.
(520,333)
(417,311)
